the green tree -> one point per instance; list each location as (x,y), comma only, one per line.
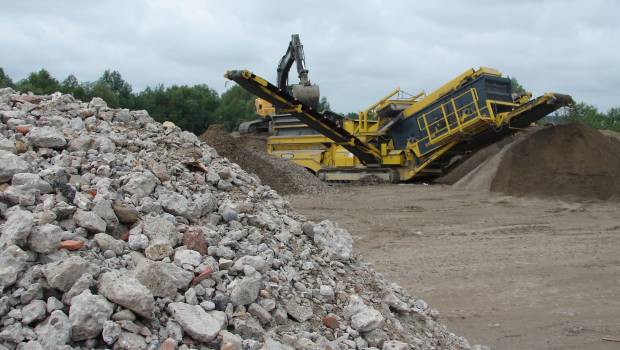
(236,106)
(516,87)
(614,118)
(112,81)
(190,108)
(5,80)
(39,83)
(99,89)
(72,86)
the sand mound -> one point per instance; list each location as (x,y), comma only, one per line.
(472,162)
(249,152)
(568,160)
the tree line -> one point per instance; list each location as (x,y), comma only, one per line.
(195,107)
(192,108)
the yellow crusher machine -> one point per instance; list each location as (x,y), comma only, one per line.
(399,137)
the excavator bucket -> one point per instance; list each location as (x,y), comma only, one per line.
(307,94)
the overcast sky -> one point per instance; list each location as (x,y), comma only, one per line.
(357,51)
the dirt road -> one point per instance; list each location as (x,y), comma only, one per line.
(508,272)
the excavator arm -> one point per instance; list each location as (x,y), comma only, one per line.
(305,91)
(294,54)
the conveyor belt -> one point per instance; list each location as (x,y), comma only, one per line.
(537,108)
(366,153)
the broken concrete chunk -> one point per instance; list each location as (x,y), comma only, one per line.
(63,274)
(88,314)
(367,320)
(45,239)
(55,331)
(141,184)
(127,291)
(245,291)
(162,279)
(196,322)
(335,241)
(47,137)
(89,220)
(299,312)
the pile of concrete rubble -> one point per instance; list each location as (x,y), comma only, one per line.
(120,232)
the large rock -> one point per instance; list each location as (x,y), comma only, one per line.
(47,137)
(34,311)
(82,143)
(97,103)
(298,311)
(141,184)
(367,320)
(257,262)
(31,181)
(6,144)
(17,227)
(83,283)
(127,291)
(103,209)
(55,331)
(162,236)
(187,257)
(12,261)
(162,279)
(159,228)
(63,274)
(89,220)
(130,341)
(126,214)
(45,239)
(12,333)
(205,203)
(175,203)
(10,164)
(111,332)
(107,242)
(196,322)
(88,314)
(231,341)
(158,249)
(245,291)
(335,241)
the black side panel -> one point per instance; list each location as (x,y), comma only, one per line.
(487,87)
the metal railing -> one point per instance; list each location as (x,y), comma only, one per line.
(447,120)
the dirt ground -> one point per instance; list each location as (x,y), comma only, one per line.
(511,273)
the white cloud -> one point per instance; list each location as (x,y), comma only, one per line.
(356,51)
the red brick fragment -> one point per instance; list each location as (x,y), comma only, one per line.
(331,322)
(23,129)
(205,273)
(71,244)
(169,344)
(194,239)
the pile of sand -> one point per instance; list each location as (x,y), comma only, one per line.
(473,161)
(282,175)
(567,160)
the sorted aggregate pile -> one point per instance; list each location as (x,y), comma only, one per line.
(107,240)
(567,160)
(282,175)
(472,162)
